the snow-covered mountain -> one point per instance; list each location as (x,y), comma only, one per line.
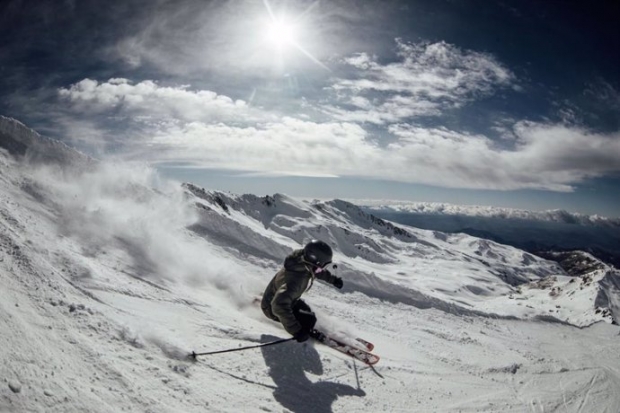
(456,273)
(439,208)
(111,276)
(535,232)
(27,145)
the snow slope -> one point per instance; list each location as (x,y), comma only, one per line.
(109,276)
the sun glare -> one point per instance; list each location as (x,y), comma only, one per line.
(283,32)
(280,33)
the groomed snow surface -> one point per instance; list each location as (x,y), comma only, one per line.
(110,277)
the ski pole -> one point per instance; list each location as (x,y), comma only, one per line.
(194,354)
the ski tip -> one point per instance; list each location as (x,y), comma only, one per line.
(374,360)
(367,344)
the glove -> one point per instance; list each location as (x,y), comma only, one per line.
(338,282)
(301,336)
(317,335)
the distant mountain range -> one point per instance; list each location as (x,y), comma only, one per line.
(435,208)
(535,232)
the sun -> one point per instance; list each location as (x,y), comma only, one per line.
(281,33)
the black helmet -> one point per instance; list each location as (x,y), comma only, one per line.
(318,253)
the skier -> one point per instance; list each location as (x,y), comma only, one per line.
(282,298)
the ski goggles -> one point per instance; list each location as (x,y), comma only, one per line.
(318,270)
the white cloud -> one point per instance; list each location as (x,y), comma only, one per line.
(428,78)
(573,151)
(223,38)
(291,146)
(197,127)
(551,157)
(152,100)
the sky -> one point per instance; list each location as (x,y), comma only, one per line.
(502,103)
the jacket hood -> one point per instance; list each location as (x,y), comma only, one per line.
(294,262)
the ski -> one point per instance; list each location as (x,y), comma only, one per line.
(358,354)
(369,346)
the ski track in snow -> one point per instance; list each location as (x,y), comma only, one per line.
(100,306)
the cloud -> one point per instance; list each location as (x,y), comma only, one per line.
(542,156)
(207,130)
(574,151)
(597,106)
(428,78)
(221,38)
(152,100)
(290,146)
(603,93)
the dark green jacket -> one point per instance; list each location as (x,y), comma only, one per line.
(286,288)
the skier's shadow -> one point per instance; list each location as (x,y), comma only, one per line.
(288,364)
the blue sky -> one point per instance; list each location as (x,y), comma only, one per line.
(503,103)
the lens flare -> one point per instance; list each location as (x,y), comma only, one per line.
(281,33)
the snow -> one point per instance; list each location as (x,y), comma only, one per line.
(110,276)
